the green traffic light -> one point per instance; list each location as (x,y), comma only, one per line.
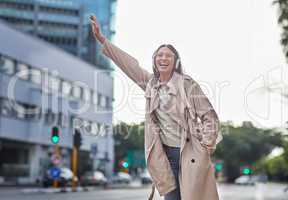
(246,171)
(54,139)
(125,164)
(218,167)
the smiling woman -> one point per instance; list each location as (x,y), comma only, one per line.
(176,151)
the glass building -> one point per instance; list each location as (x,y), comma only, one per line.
(64,23)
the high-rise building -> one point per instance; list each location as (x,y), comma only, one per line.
(41,87)
(64,23)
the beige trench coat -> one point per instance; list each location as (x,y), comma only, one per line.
(196,175)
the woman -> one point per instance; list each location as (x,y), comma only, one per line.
(181,126)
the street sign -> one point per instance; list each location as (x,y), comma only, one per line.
(55,172)
(55,159)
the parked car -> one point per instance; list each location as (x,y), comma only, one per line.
(93,178)
(245,180)
(65,179)
(145,178)
(251,180)
(121,177)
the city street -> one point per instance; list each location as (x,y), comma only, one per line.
(269,191)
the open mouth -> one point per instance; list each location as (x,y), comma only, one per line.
(163,65)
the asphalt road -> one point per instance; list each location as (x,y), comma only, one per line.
(269,191)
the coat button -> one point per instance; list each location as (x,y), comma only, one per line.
(187,139)
(193,160)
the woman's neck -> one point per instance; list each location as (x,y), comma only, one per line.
(165,77)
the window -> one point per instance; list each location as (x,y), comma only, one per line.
(86,95)
(54,83)
(62,120)
(66,88)
(49,116)
(20,111)
(36,76)
(6,109)
(7,65)
(32,112)
(102,101)
(95,98)
(22,71)
(76,92)
(108,104)
(94,128)
(101,128)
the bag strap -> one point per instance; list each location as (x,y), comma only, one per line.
(152,192)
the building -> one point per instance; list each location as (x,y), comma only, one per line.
(42,86)
(64,23)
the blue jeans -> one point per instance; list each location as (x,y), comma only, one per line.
(173,155)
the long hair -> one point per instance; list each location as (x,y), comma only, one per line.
(177,61)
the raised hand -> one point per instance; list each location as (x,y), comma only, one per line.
(96,29)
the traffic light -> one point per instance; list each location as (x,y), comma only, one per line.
(218,167)
(77,139)
(55,137)
(124,164)
(246,171)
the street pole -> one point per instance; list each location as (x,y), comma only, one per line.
(74,167)
(57,152)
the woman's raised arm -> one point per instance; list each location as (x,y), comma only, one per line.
(128,64)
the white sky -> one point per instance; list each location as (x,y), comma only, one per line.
(233,43)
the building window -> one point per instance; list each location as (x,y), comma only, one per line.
(22,71)
(49,116)
(20,111)
(86,95)
(76,92)
(94,128)
(66,88)
(36,76)
(62,120)
(95,98)
(108,102)
(7,65)
(54,83)
(6,109)
(102,100)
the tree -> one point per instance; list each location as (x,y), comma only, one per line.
(129,139)
(283,22)
(244,145)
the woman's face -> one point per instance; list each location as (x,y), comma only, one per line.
(164,60)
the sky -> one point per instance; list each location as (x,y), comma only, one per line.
(230,47)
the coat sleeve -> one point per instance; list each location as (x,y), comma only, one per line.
(126,63)
(209,118)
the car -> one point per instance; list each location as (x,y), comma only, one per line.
(121,177)
(93,178)
(65,177)
(245,180)
(145,178)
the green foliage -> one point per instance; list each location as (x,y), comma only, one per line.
(244,145)
(282,21)
(127,137)
(277,168)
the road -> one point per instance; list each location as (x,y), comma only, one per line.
(269,191)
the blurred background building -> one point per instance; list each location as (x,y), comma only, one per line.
(51,41)
(64,23)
